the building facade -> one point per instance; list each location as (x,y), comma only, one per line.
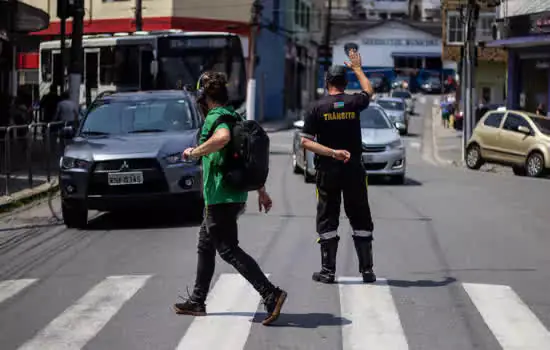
(425,10)
(490,77)
(524,31)
(390,48)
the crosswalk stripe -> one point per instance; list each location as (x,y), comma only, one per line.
(375,323)
(511,321)
(11,287)
(230,306)
(83,320)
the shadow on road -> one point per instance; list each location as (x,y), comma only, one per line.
(310,321)
(411,135)
(383,180)
(141,220)
(405,283)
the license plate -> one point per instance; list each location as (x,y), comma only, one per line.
(133,178)
(367,158)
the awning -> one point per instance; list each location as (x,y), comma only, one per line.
(417,54)
(523,41)
(27,19)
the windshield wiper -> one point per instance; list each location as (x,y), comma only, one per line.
(146,130)
(94,133)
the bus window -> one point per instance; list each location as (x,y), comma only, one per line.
(146,78)
(127,65)
(46,65)
(58,74)
(92,62)
(106,66)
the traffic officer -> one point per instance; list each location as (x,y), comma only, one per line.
(332,130)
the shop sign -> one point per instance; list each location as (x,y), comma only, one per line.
(540,23)
(402,42)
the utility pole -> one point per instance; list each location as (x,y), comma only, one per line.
(251,86)
(468,78)
(64,10)
(139,15)
(326,45)
(77,55)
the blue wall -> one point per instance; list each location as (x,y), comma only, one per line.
(271,50)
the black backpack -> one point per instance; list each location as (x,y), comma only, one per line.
(246,165)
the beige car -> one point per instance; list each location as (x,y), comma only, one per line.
(512,138)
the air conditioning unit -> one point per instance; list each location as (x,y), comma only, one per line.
(499,30)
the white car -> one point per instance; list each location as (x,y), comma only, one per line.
(383,149)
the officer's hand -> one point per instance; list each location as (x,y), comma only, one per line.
(187,153)
(354,60)
(341,154)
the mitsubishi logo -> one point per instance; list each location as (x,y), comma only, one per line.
(124,166)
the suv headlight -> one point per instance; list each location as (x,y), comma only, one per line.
(177,158)
(68,163)
(397,144)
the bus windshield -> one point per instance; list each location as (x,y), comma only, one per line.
(182,59)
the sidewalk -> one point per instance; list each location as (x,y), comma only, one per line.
(447,146)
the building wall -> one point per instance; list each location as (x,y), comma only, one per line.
(511,8)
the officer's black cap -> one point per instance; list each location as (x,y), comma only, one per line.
(337,74)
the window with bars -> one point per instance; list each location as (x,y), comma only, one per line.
(455,27)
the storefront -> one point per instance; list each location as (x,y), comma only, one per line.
(528,46)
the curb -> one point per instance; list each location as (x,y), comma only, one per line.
(435,148)
(27,196)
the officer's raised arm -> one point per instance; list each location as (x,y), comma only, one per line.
(363,98)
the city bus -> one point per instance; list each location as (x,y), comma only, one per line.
(157,60)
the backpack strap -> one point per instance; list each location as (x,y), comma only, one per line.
(224,118)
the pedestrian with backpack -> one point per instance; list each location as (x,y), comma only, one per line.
(235,160)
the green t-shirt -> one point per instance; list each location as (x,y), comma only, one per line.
(215,190)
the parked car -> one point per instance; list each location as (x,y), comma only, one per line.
(127,152)
(405,95)
(396,110)
(513,138)
(432,85)
(383,149)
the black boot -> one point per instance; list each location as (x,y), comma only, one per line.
(329,248)
(363,246)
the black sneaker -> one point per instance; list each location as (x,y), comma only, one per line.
(369,277)
(323,277)
(190,307)
(273,305)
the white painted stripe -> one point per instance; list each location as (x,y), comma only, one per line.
(77,325)
(230,305)
(511,321)
(11,287)
(415,144)
(375,323)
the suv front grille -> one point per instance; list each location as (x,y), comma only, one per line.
(133,164)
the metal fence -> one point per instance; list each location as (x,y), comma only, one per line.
(29,155)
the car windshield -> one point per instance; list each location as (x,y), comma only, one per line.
(138,116)
(391,105)
(543,124)
(373,118)
(401,94)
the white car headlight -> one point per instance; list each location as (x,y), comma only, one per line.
(397,144)
(67,163)
(177,158)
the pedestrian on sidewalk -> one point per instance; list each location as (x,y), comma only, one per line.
(334,122)
(223,206)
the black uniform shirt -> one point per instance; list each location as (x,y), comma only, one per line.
(334,120)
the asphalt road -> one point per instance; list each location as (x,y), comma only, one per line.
(463,260)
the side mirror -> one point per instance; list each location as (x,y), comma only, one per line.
(299,124)
(189,88)
(399,125)
(524,130)
(67,132)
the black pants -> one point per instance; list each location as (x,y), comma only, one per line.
(219,232)
(348,180)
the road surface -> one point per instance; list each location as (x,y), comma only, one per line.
(463,259)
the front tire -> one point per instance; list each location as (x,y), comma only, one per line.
(75,214)
(473,157)
(534,165)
